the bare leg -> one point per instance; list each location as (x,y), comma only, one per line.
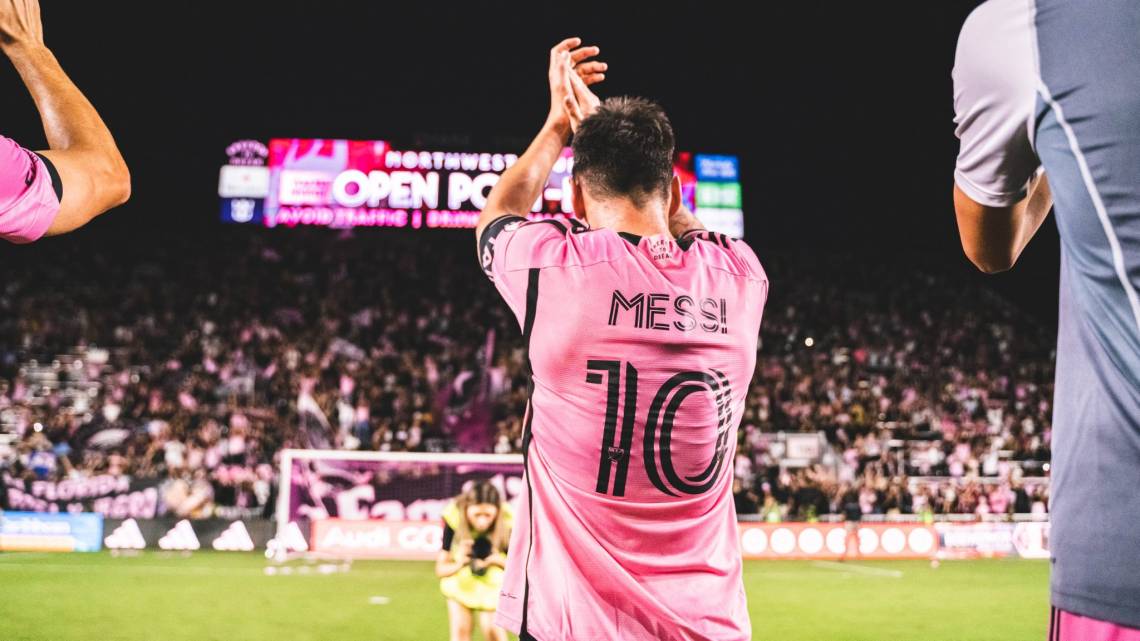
(459,621)
(491,632)
(852,539)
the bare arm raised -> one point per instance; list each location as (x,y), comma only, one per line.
(93,174)
(571,72)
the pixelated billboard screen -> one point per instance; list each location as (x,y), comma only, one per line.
(370,183)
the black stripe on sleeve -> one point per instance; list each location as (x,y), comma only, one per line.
(557,223)
(488,238)
(56,181)
(685,240)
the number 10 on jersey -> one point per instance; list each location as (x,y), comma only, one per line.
(613,463)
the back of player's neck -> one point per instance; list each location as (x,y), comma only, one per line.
(634,222)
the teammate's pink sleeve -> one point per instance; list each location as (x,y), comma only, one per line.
(28,193)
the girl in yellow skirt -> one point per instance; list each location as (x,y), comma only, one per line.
(476,533)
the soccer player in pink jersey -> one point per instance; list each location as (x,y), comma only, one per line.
(641,329)
(83,174)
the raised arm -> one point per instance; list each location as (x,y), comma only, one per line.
(521,185)
(92,171)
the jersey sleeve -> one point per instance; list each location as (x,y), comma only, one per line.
(995,91)
(741,253)
(510,247)
(748,258)
(30,193)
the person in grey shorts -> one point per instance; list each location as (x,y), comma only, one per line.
(1047,103)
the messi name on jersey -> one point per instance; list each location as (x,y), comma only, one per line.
(667,313)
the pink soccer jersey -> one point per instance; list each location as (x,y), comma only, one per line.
(641,351)
(29,193)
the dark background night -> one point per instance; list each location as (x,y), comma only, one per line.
(841,113)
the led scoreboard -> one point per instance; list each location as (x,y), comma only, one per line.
(370,183)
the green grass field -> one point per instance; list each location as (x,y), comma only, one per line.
(230,597)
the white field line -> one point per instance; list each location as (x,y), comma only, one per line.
(857,569)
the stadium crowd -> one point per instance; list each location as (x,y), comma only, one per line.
(197,363)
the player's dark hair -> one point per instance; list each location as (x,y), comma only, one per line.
(625,149)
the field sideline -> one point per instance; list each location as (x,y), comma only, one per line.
(210,596)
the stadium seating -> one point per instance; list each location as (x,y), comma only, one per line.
(196,363)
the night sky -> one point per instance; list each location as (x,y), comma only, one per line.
(841,113)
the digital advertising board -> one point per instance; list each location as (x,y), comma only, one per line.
(342,184)
(50,532)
